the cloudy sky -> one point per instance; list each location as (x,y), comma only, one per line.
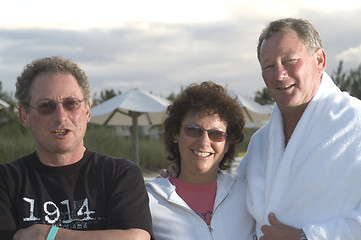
(162,45)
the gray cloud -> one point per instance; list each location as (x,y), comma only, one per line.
(160,57)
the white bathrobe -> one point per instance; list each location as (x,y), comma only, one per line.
(315,182)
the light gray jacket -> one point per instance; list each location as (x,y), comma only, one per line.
(174,219)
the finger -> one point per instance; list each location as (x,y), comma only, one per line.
(264,229)
(267,231)
(272,219)
(173,170)
(164,173)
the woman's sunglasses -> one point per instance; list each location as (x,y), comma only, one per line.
(196,131)
(49,106)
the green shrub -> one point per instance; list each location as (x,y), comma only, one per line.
(15,140)
(152,155)
(105,139)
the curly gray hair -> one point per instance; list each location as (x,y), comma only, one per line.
(56,64)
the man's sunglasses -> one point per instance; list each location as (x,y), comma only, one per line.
(49,106)
(196,131)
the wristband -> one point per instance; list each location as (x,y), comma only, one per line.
(52,233)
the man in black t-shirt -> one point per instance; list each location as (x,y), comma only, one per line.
(63,190)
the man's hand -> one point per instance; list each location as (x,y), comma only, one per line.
(35,232)
(171,170)
(279,231)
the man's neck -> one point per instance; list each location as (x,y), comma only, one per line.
(291,117)
(60,159)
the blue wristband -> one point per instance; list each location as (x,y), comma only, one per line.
(52,233)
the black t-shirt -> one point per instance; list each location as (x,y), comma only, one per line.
(98,192)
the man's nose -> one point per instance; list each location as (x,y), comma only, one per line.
(280,72)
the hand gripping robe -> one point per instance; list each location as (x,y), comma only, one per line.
(314,182)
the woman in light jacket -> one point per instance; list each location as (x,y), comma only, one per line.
(202,127)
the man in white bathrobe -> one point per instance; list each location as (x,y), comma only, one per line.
(304,165)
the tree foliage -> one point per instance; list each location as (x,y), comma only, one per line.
(348,81)
(104,95)
(263,97)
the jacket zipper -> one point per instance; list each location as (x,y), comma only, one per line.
(214,214)
(210,229)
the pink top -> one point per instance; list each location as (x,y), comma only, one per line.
(200,198)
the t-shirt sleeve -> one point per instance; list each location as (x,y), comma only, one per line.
(128,202)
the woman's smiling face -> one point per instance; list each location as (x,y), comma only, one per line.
(200,156)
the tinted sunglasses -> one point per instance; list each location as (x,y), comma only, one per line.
(196,131)
(49,106)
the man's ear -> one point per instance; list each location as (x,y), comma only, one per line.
(321,60)
(88,111)
(24,117)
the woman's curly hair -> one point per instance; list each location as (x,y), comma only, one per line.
(208,98)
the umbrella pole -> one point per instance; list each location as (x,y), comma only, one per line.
(135,137)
